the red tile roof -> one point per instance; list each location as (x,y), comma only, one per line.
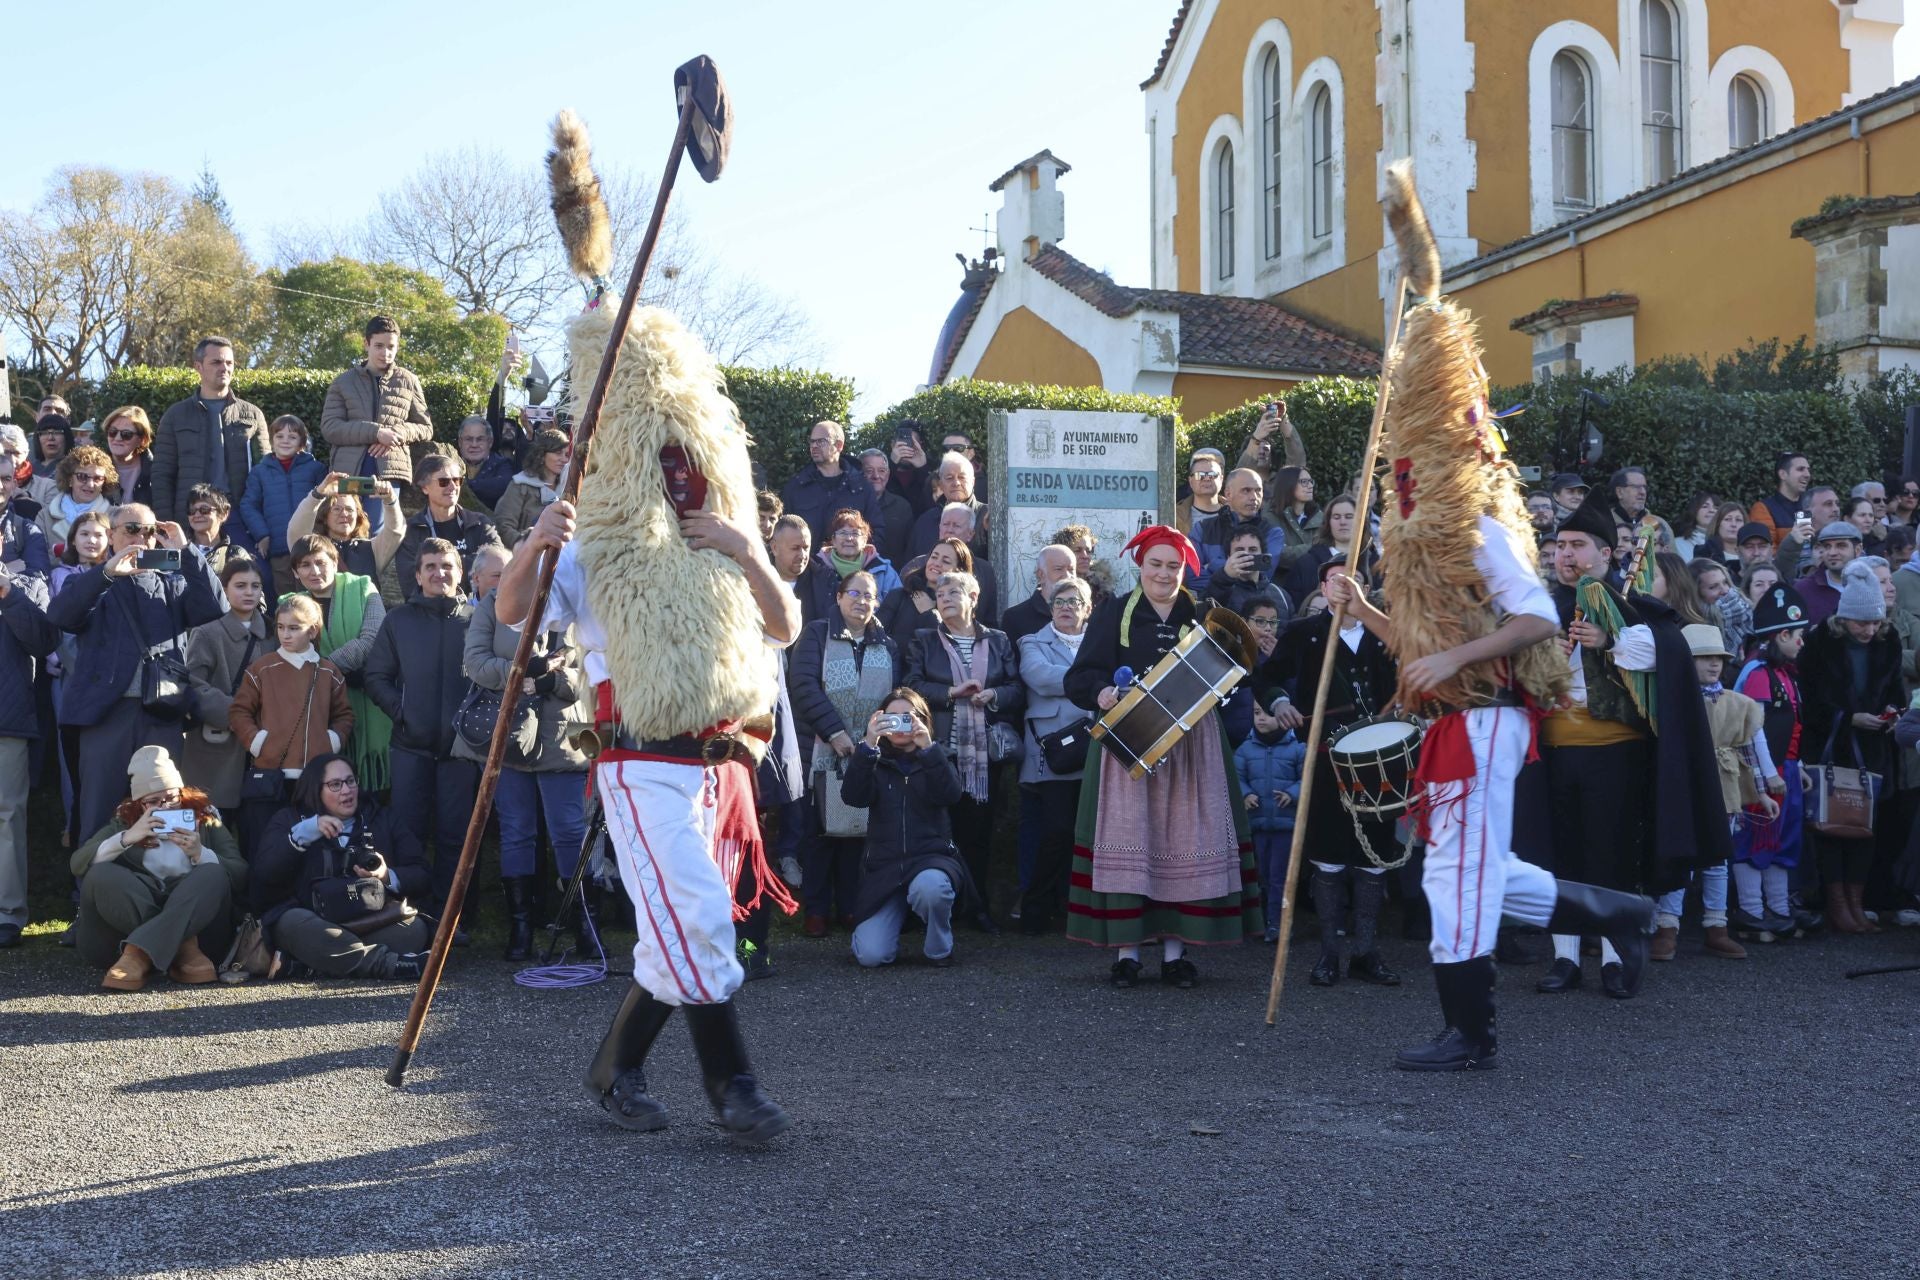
(1238,333)
(1173,36)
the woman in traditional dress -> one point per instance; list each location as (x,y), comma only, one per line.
(1169,855)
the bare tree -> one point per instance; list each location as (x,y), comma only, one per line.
(80,272)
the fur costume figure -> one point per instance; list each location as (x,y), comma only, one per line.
(1447,468)
(685,647)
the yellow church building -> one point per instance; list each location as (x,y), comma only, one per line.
(1608,181)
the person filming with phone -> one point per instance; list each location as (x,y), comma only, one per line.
(158,876)
(907,783)
(128,685)
(1245,577)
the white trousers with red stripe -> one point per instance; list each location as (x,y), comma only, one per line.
(660,821)
(1472,876)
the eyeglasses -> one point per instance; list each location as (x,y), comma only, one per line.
(200,511)
(89,478)
(342,784)
(445,482)
(138,530)
(1264,624)
(857,594)
(1069,602)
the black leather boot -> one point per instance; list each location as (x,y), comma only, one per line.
(1624,919)
(1369,892)
(749,1116)
(616,1080)
(1466,999)
(1329,889)
(519,925)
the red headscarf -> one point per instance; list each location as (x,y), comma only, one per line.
(1160,535)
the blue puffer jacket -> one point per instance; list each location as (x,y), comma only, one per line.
(1267,767)
(117,620)
(273,491)
(25,637)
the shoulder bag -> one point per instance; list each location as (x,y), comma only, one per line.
(1065,749)
(166,692)
(1842,803)
(270,785)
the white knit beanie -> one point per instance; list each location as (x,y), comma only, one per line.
(151,770)
(1861,599)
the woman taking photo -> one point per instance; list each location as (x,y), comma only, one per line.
(839,673)
(1169,855)
(342,517)
(160,875)
(332,830)
(1293,506)
(1048,799)
(969,674)
(351,612)
(909,607)
(129,438)
(218,654)
(908,785)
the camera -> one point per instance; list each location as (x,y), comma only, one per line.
(360,486)
(1263,564)
(160,560)
(896,722)
(168,822)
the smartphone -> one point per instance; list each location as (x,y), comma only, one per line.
(904,434)
(896,722)
(160,560)
(169,822)
(1276,407)
(360,486)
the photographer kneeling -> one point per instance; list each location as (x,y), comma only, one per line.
(309,872)
(908,783)
(159,875)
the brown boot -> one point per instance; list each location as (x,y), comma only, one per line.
(129,972)
(1666,941)
(1719,944)
(190,964)
(1839,904)
(1857,900)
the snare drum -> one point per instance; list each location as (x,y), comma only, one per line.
(1374,762)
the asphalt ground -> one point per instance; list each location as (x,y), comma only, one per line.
(1009,1116)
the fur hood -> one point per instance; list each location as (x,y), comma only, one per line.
(686,645)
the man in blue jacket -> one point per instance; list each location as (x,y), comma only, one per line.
(824,486)
(125,615)
(1244,511)
(25,637)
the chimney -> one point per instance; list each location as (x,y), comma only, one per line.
(1033,213)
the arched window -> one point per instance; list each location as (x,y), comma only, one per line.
(1223,211)
(1270,113)
(1320,135)
(1573,154)
(1661,93)
(1747,121)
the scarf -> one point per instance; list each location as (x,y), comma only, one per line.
(856,685)
(969,718)
(372,732)
(1603,611)
(845,567)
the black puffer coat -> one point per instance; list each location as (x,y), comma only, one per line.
(908,830)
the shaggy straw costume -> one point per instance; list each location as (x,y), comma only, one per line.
(1460,564)
(676,648)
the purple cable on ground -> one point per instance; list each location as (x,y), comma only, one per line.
(562,977)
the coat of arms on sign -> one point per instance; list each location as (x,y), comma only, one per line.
(1040,439)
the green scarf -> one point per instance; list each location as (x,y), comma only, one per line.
(1604,612)
(845,567)
(372,732)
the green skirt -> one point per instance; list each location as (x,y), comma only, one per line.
(1128,919)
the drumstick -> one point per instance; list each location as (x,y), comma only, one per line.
(1363,501)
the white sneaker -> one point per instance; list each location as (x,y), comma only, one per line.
(790,870)
(1014,914)
(1906,917)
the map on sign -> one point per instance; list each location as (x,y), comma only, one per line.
(1102,470)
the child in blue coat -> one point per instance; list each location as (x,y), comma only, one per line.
(1269,763)
(276,485)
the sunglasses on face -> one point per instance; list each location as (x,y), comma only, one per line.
(89,478)
(138,530)
(123,433)
(200,511)
(445,482)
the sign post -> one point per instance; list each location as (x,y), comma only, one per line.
(1112,472)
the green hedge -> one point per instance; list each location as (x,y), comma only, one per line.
(779,407)
(1331,415)
(301,392)
(963,405)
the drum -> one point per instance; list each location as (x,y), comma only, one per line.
(1374,762)
(1158,710)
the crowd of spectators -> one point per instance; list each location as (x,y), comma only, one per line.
(259,683)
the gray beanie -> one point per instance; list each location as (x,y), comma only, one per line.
(1861,599)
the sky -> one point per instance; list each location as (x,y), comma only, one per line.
(866,132)
(865,136)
